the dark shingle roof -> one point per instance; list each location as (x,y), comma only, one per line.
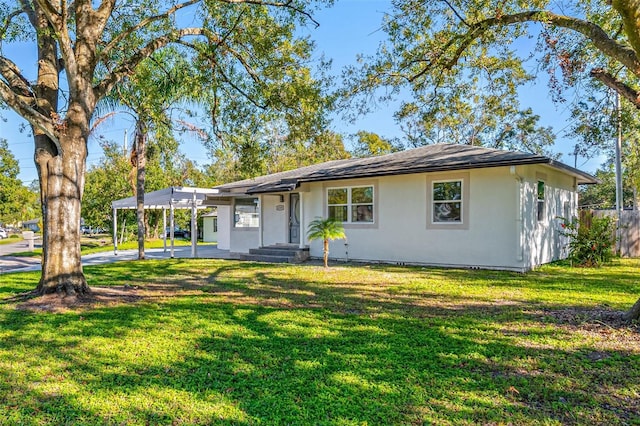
(431,158)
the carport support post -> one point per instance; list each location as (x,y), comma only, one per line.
(194,227)
(260,221)
(115,231)
(164,228)
(171,225)
(302,230)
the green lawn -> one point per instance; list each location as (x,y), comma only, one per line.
(10,240)
(225,342)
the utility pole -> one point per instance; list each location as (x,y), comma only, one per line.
(575,156)
(124,149)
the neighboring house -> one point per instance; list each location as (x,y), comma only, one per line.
(210,227)
(445,205)
(32,225)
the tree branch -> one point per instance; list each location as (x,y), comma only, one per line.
(241,91)
(57,19)
(14,78)
(611,82)
(127,67)
(593,32)
(8,21)
(17,103)
(453,9)
(26,7)
(252,73)
(49,11)
(629,12)
(124,34)
(287,5)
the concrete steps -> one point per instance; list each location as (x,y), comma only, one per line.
(280,253)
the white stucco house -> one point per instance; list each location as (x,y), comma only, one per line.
(443,205)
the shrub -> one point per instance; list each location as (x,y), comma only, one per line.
(591,239)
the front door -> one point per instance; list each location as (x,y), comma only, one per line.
(294,218)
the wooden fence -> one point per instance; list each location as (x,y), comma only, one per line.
(629,230)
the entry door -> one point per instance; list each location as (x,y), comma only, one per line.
(294,218)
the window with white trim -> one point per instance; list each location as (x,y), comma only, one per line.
(351,204)
(447,201)
(540,204)
(247,213)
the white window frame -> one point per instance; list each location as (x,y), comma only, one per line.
(460,200)
(541,213)
(257,204)
(465,206)
(350,204)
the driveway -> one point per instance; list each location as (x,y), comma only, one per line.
(10,263)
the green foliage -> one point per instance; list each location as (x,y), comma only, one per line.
(269,151)
(325,229)
(224,342)
(17,202)
(243,60)
(603,195)
(370,145)
(463,63)
(591,239)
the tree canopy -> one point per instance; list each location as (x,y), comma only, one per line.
(246,50)
(463,63)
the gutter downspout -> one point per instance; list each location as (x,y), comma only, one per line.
(302,222)
(260,221)
(520,215)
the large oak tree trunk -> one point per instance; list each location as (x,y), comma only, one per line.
(61,167)
(634,312)
(61,185)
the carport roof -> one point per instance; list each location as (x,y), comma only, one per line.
(180,197)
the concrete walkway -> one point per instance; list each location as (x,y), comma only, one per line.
(10,263)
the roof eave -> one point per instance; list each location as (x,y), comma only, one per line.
(583,177)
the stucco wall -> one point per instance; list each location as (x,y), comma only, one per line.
(209,235)
(500,231)
(276,215)
(243,239)
(400,233)
(224,227)
(543,241)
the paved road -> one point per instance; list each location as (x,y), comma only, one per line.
(17,247)
(10,263)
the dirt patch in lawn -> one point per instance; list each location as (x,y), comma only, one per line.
(602,322)
(96,297)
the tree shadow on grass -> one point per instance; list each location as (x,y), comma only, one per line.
(247,344)
(303,366)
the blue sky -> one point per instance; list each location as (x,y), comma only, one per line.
(349,28)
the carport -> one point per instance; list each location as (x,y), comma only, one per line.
(172,198)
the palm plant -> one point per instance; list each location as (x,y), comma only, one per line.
(325,230)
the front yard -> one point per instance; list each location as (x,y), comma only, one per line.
(224,342)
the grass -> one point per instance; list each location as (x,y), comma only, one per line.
(12,239)
(225,342)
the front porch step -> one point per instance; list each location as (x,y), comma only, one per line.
(281,253)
